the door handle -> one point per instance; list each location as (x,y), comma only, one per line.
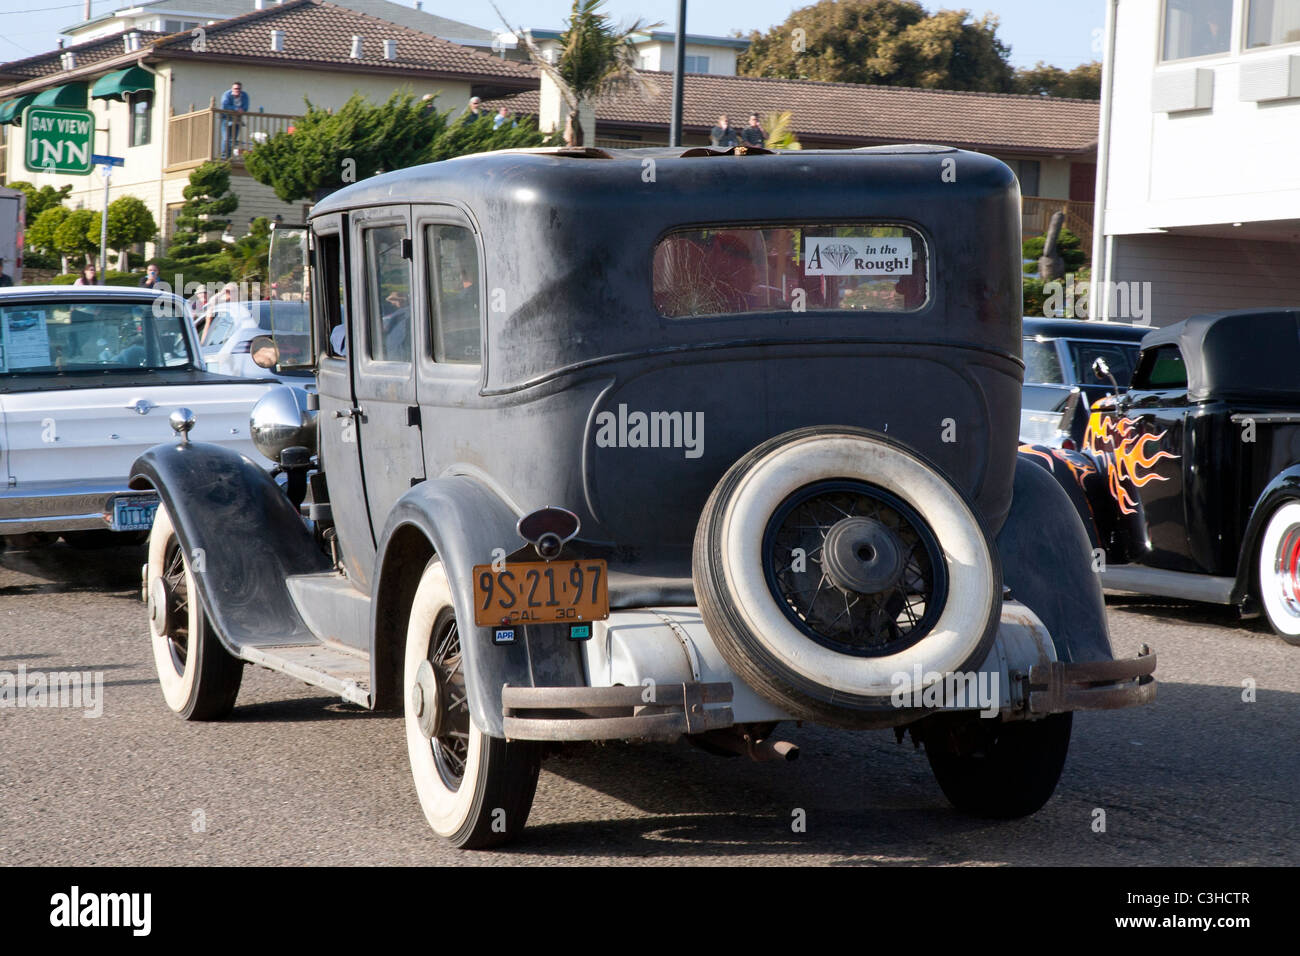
(358,413)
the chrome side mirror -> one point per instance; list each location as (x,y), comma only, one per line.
(264,351)
(1101,369)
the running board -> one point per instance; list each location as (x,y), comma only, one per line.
(1173,584)
(337,670)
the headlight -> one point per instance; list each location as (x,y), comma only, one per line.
(280,420)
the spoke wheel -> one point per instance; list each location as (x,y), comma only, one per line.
(854,568)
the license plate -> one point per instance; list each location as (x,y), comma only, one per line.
(133,514)
(541,592)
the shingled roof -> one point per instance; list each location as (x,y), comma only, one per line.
(319,34)
(856,114)
(88,53)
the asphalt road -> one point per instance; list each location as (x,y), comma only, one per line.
(295,777)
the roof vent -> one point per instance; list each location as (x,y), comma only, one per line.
(131,41)
(69,59)
(419,4)
(259,4)
(356,48)
(390,49)
(277,41)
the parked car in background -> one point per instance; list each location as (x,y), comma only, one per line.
(232,326)
(88,378)
(1059,357)
(1190,479)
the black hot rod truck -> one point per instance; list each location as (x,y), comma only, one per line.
(646,445)
(1189,482)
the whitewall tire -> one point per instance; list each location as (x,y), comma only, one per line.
(1279,571)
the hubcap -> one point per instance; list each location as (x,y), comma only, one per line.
(854,567)
(1286,570)
(426,700)
(158,601)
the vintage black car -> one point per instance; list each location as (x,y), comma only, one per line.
(642,445)
(1061,377)
(1190,480)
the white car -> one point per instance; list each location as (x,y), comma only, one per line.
(88,379)
(232,326)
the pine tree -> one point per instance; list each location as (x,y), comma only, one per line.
(208,203)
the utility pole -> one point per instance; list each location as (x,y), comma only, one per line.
(679,68)
(107,172)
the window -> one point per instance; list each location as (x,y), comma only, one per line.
(1161,369)
(1026,171)
(1196,28)
(1042,362)
(1119,358)
(696,64)
(140,106)
(92,336)
(454,290)
(388,281)
(737,269)
(1269,22)
(331,293)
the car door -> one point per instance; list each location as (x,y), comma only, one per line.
(388,426)
(334,315)
(450,294)
(1149,455)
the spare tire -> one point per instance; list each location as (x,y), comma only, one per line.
(830,560)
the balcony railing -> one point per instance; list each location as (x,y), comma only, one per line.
(1036,214)
(201,135)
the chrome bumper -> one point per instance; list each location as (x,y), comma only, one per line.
(60,506)
(1092,685)
(658,712)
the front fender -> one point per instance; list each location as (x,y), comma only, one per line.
(242,535)
(1284,485)
(464,523)
(1047,563)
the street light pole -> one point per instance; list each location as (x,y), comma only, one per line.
(679,67)
(107,171)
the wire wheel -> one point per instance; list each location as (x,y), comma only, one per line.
(178,616)
(854,568)
(451,743)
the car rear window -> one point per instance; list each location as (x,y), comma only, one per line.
(70,336)
(1042,362)
(729,270)
(1160,369)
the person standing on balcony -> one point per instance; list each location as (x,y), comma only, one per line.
(234,100)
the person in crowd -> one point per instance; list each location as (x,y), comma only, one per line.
(502,117)
(723,135)
(475,111)
(151,277)
(754,134)
(234,100)
(89,275)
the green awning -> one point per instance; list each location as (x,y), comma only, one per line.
(115,86)
(69,94)
(12,110)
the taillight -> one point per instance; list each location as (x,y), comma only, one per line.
(1068,444)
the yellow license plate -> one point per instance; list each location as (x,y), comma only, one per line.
(541,592)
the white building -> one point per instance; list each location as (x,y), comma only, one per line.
(1198,187)
(655,50)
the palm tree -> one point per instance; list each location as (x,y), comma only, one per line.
(780,132)
(596,59)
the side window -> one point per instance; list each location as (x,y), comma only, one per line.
(388,295)
(331,295)
(1042,363)
(453,271)
(1161,369)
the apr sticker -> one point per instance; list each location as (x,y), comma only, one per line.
(857,256)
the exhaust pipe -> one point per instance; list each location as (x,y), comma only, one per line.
(733,742)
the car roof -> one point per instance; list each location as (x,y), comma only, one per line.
(1218,365)
(1085,329)
(81,292)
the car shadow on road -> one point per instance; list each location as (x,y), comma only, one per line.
(304,710)
(67,570)
(1187,612)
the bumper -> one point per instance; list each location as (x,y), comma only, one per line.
(1057,687)
(60,506)
(653,712)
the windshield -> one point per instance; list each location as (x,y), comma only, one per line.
(1120,356)
(70,336)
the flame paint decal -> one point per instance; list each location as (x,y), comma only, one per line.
(1117,443)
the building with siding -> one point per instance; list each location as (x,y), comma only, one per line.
(1198,188)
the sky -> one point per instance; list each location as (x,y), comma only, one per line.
(1060,32)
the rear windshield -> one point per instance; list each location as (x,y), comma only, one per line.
(728,270)
(1121,357)
(68,336)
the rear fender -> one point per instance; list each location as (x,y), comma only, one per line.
(1284,486)
(462,523)
(243,538)
(1082,481)
(1047,562)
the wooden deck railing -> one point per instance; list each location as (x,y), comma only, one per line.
(197,136)
(1036,213)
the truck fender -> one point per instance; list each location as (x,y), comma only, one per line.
(1047,562)
(1283,486)
(461,522)
(1080,477)
(242,536)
